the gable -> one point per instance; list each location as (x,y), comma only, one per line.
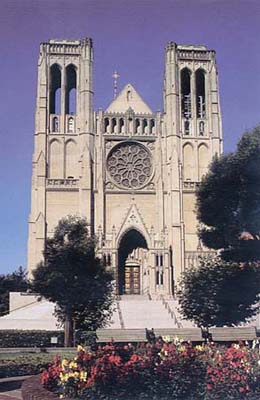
(129,98)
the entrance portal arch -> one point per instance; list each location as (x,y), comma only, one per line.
(132,256)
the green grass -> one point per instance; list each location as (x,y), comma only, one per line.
(28,363)
(36,355)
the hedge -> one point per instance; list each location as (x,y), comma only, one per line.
(29,364)
(19,338)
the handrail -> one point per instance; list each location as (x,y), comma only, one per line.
(146,292)
(18,308)
(120,315)
(171,312)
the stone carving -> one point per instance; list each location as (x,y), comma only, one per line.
(130,165)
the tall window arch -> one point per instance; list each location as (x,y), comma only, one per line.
(55,169)
(145,126)
(71,165)
(185,93)
(113,125)
(121,125)
(71,90)
(188,162)
(55,89)
(200,94)
(106,125)
(137,125)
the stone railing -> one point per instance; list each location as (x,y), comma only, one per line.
(193,55)
(190,185)
(192,257)
(62,183)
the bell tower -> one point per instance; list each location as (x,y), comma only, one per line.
(62,176)
(193,135)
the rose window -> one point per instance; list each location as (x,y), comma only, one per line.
(129,164)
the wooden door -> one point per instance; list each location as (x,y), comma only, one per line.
(132,280)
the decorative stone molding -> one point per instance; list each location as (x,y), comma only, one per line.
(190,185)
(192,257)
(62,183)
(133,220)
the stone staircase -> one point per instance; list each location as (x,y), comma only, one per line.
(137,312)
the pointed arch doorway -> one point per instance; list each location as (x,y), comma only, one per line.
(132,256)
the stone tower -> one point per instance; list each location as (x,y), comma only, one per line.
(62,178)
(130,171)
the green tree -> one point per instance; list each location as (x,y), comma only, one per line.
(13,282)
(228,202)
(74,278)
(219,293)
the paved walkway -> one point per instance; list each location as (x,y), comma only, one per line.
(11,395)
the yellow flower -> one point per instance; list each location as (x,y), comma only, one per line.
(83,376)
(73,364)
(64,363)
(80,348)
(166,339)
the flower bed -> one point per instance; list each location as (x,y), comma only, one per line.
(161,370)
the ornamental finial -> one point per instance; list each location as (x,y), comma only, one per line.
(115,76)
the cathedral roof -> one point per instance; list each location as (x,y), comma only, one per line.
(129,98)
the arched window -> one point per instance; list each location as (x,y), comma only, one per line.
(152,127)
(71,126)
(145,126)
(113,125)
(157,278)
(200,94)
(121,125)
(55,124)
(128,95)
(71,160)
(55,168)
(185,93)
(203,160)
(137,125)
(161,278)
(186,127)
(106,125)
(201,128)
(188,162)
(71,92)
(55,89)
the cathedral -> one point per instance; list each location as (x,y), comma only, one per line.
(132,172)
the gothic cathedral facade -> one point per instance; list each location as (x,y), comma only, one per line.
(130,171)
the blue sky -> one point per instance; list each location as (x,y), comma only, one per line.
(128,36)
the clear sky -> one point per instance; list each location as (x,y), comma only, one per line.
(129,35)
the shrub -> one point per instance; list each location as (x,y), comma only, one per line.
(29,364)
(19,338)
(167,371)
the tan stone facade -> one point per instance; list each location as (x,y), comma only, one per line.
(130,171)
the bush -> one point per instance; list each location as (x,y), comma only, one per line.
(166,371)
(20,365)
(18,338)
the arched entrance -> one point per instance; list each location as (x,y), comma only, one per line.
(130,260)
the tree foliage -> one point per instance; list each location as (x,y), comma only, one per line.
(228,201)
(219,293)
(13,282)
(73,277)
